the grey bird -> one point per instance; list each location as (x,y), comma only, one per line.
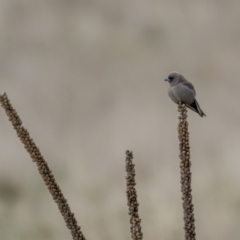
(180,90)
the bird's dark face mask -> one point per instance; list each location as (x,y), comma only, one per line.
(169,79)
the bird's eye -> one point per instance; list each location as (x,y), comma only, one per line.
(171,78)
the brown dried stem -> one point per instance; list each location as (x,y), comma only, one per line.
(43,169)
(133,204)
(185,165)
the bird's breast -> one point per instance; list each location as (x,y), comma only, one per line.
(181,93)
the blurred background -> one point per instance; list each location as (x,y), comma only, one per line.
(86,77)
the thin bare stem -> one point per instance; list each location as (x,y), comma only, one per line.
(133,204)
(183,135)
(43,169)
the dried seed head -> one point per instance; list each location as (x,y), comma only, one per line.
(183,136)
(43,168)
(132,198)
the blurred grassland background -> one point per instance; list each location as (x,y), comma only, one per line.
(86,77)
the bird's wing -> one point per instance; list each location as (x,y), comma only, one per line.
(192,108)
(196,108)
(190,86)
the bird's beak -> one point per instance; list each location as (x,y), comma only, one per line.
(167,79)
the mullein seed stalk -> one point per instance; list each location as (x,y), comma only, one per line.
(43,169)
(185,165)
(133,204)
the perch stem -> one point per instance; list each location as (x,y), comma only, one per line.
(185,165)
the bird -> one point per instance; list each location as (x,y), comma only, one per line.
(180,90)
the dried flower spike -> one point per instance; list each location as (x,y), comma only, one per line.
(43,169)
(183,135)
(133,204)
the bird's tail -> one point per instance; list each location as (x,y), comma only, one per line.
(196,108)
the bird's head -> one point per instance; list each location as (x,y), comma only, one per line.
(174,78)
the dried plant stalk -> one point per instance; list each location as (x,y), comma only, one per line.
(133,204)
(43,168)
(185,165)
